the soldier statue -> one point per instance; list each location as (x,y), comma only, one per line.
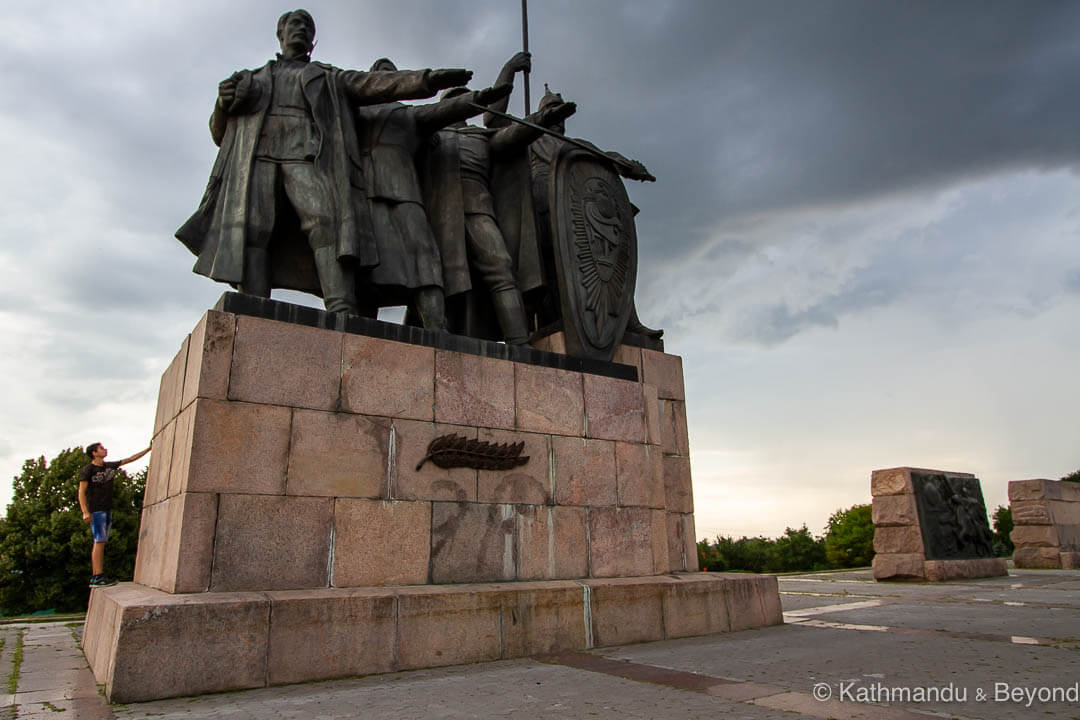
(287,202)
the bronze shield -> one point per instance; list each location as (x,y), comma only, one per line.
(595,246)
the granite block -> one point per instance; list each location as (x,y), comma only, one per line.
(554,343)
(943,570)
(1037,557)
(448,626)
(472,542)
(1031,512)
(676,542)
(550,542)
(171,389)
(894,481)
(176,543)
(665,372)
(1063,512)
(338,455)
(905,539)
(614,409)
(237,448)
(673,432)
(894,510)
(1070,560)
(268,542)
(653,431)
(529,483)
(620,542)
(277,363)
(661,559)
(379,542)
(1034,490)
(1035,536)
(209,357)
(157,476)
(232,632)
(678,490)
(381,377)
(324,634)
(584,471)
(430,482)
(690,539)
(626,610)
(471,390)
(543,618)
(183,439)
(895,566)
(547,400)
(695,605)
(639,474)
(744,596)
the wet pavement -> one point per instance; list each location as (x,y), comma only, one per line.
(851,648)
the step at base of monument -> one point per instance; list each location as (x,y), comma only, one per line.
(145,644)
(913,566)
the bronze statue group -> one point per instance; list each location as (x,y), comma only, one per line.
(324,182)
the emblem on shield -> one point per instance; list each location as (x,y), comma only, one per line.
(595,246)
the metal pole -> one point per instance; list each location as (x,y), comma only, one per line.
(525,47)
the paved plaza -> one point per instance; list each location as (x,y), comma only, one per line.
(1004,647)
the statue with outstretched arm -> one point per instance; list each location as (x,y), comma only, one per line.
(288,153)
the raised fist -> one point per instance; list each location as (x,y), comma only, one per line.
(521,62)
(449,77)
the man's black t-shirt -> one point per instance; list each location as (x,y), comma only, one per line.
(98,479)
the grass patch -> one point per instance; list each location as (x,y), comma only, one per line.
(53,707)
(16,663)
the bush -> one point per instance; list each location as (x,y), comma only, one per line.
(45,545)
(1072,477)
(849,537)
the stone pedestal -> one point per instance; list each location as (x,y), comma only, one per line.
(288,533)
(1046,523)
(901,550)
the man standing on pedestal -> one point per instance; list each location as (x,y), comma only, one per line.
(95,501)
(289,159)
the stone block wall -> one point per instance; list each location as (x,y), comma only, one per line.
(899,546)
(285,457)
(1046,523)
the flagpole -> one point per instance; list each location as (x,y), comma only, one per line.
(525,47)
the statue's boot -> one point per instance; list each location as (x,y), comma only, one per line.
(510,311)
(635,326)
(256,273)
(338,283)
(431,305)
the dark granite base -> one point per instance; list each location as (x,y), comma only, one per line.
(241,304)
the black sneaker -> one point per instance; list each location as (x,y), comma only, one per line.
(101,581)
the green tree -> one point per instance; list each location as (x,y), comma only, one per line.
(1072,477)
(1003,525)
(797,550)
(849,537)
(45,545)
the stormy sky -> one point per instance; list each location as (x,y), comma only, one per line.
(864,241)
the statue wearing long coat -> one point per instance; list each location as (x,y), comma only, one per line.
(216,233)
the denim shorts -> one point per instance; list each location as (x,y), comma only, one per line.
(100,523)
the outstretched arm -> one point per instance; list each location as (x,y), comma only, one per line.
(372,88)
(134,457)
(521,62)
(433,116)
(516,134)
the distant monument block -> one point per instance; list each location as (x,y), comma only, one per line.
(1046,523)
(930,525)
